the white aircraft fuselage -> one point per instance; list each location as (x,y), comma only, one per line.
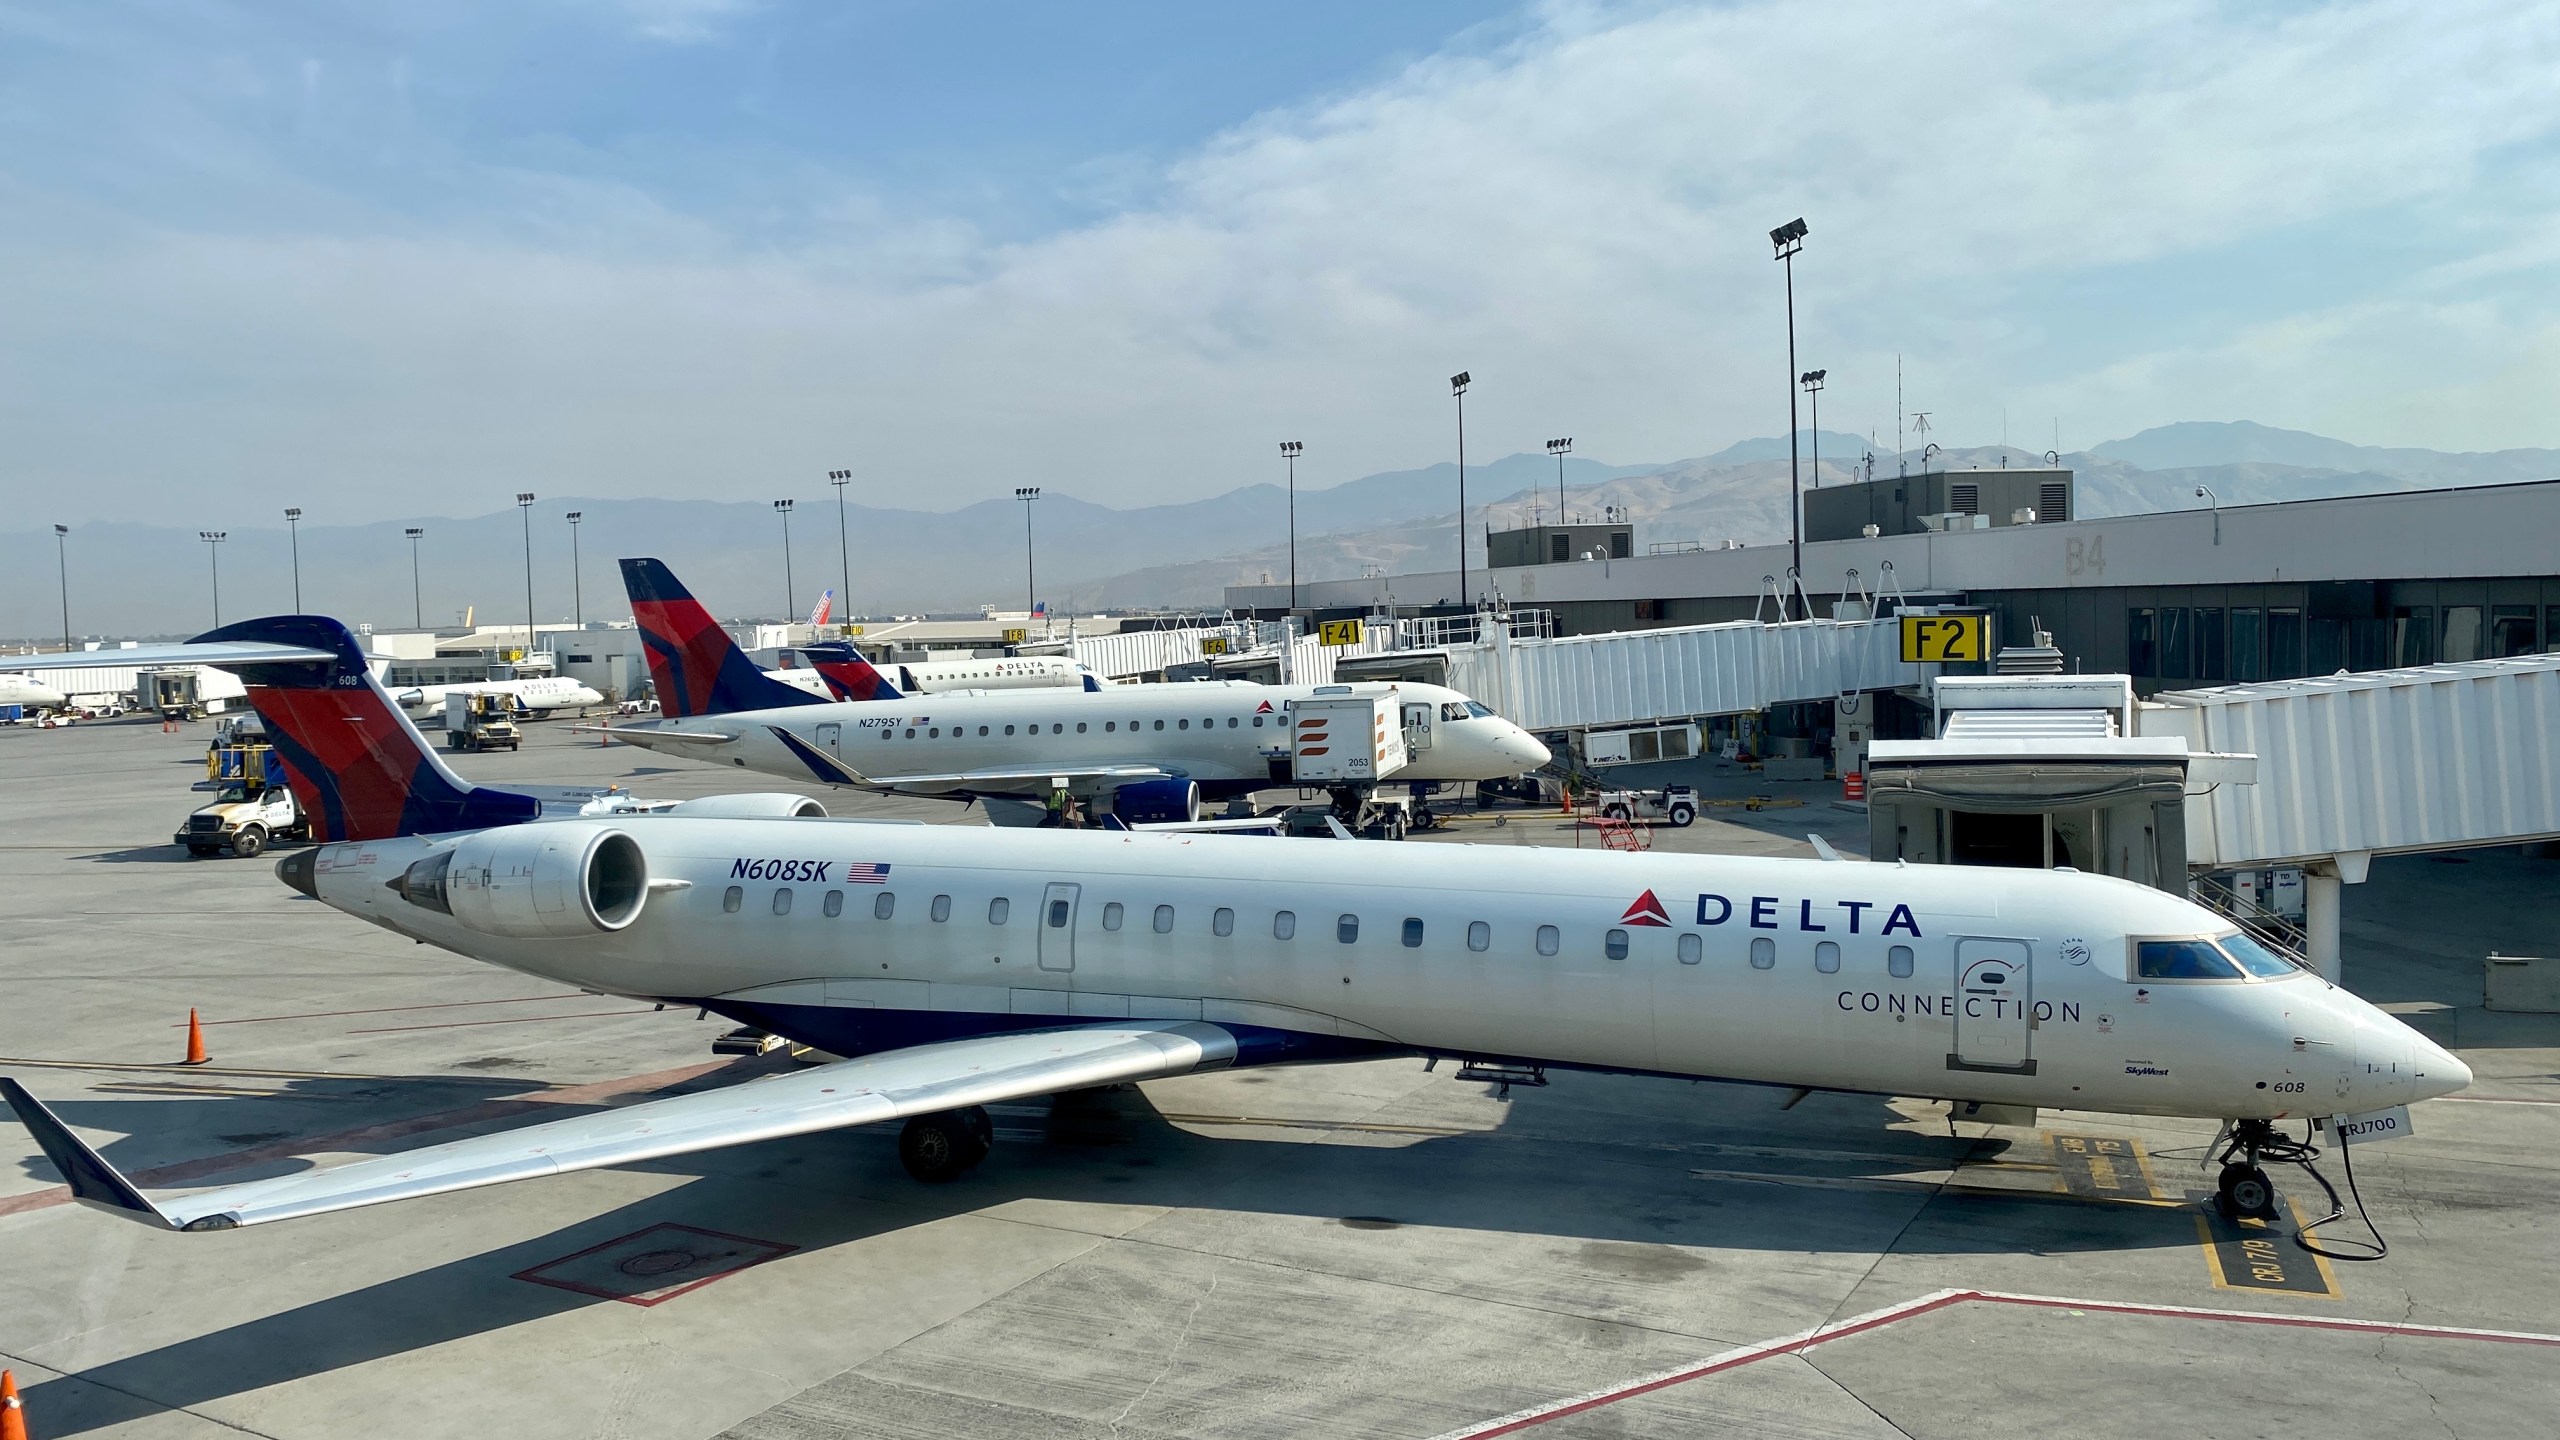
(1996,985)
(26,690)
(539,694)
(1225,737)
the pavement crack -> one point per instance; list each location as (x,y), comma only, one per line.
(1173,1352)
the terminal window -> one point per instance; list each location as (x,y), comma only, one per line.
(2461,632)
(2511,630)
(2284,643)
(2248,644)
(2413,635)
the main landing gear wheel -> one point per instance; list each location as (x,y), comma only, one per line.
(2245,1192)
(945,1146)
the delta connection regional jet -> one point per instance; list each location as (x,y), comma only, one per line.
(1157,750)
(963,967)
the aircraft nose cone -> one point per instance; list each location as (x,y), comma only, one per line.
(1524,747)
(2436,1070)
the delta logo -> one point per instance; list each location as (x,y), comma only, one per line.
(1646,911)
(1263,709)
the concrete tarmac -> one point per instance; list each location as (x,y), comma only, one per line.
(1354,1250)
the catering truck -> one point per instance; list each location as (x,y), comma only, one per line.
(251,805)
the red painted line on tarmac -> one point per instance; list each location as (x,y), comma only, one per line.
(386,1010)
(515,1020)
(1874,1320)
(185,1171)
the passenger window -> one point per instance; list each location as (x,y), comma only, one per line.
(911,732)
(1550,939)
(834,905)
(885,906)
(1614,945)
(2182,960)
(1479,935)
(1058,914)
(1182,724)
(1164,919)
(1826,957)
(782,901)
(1209,723)
(1223,922)
(982,729)
(999,910)
(1079,727)
(1110,725)
(941,908)
(1008,730)
(1412,933)
(1346,929)
(1159,724)
(1111,914)
(1764,953)
(1284,925)
(934,733)
(888,734)
(731,898)
(1692,950)
(1257,722)
(1231,722)
(1897,962)
(1058,729)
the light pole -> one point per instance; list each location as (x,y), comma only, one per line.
(62,566)
(213,549)
(293,527)
(1290,450)
(417,602)
(1811,380)
(790,590)
(1560,449)
(1788,239)
(1030,582)
(577,589)
(2205,493)
(1458,392)
(524,503)
(844,547)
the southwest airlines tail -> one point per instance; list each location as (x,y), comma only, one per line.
(847,674)
(699,669)
(355,763)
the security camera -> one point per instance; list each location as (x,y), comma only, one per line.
(2199,492)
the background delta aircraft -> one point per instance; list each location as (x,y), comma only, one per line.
(26,690)
(1158,751)
(665,609)
(541,694)
(962,967)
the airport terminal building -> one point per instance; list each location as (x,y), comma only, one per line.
(2177,599)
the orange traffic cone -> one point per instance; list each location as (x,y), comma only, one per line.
(195,1052)
(13,1417)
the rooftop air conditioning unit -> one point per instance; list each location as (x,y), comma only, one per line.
(1871,531)
(2024,515)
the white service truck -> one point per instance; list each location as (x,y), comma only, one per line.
(1345,740)
(251,805)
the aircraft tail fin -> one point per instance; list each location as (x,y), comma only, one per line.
(353,760)
(699,669)
(847,674)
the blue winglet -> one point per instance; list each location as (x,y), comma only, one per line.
(93,1181)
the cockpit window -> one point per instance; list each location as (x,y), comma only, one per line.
(2182,960)
(2253,957)
(1452,710)
(1479,710)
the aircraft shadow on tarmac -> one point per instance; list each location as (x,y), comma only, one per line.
(1824,1183)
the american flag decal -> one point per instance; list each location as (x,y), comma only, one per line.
(872,872)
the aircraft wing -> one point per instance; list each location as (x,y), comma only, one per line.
(888,1086)
(220,652)
(833,771)
(651,739)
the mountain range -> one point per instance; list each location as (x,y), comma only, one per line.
(136,579)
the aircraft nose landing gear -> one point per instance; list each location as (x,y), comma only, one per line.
(2244,1192)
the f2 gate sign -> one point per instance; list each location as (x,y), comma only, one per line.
(1934,639)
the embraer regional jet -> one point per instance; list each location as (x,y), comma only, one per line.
(1157,751)
(962,967)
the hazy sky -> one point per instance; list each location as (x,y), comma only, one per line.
(390,259)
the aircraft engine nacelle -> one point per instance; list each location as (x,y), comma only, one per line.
(531,881)
(1156,802)
(754,806)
